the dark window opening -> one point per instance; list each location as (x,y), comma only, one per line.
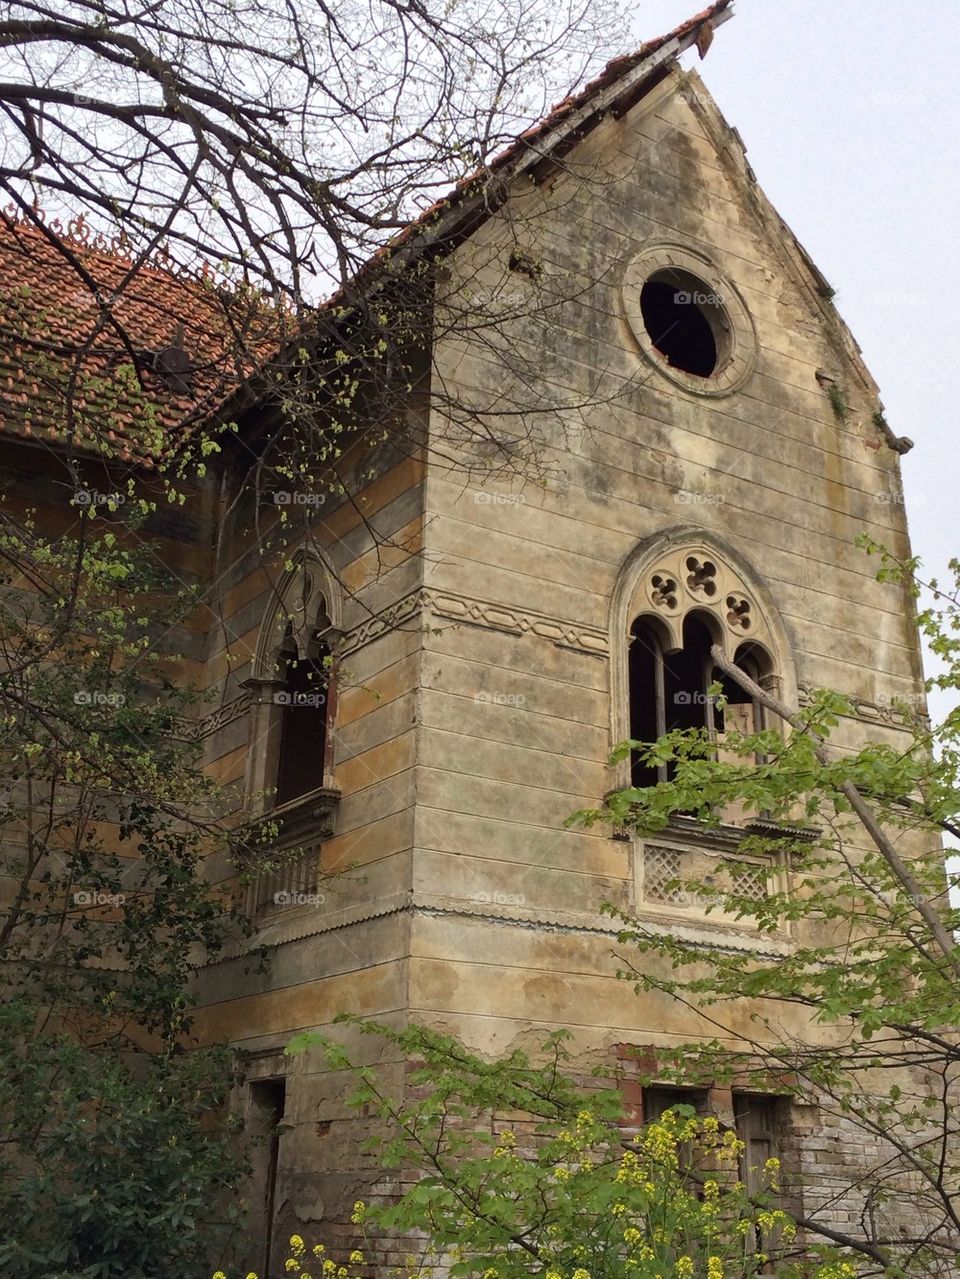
(741,714)
(669,691)
(267,1107)
(660,1098)
(305,702)
(683,318)
(756,1121)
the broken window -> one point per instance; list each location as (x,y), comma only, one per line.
(659,1098)
(685,321)
(755,1123)
(669,690)
(305,702)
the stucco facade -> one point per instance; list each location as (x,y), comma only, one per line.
(483,666)
(637,425)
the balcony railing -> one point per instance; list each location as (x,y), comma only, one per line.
(284,869)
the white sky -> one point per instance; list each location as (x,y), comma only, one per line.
(850,111)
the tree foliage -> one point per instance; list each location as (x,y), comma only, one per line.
(858,1006)
(116,1153)
(523,1170)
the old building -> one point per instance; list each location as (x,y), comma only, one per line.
(707,445)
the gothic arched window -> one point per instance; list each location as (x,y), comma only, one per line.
(290,753)
(669,689)
(305,702)
(676,599)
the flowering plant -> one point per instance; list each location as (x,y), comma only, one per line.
(524,1175)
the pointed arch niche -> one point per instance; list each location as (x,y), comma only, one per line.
(679,593)
(290,746)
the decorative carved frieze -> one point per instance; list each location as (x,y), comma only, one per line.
(584,639)
(867,712)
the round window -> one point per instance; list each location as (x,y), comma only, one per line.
(688,319)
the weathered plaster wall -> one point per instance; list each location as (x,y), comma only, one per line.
(517,726)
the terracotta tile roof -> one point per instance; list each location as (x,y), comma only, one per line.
(700,26)
(183,347)
(540,138)
(187,347)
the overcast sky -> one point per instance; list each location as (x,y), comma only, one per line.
(850,111)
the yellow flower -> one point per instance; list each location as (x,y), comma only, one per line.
(632,1235)
(219,1275)
(251,1274)
(491,1273)
(359,1208)
(617,1210)
(357,1258)
(711,1125)
(507,1139)
(714,1268)
(684,1267)
(329,1267)
(561,1174)
(318,1250)
(580,1273)
(291,1264)
(710,1189)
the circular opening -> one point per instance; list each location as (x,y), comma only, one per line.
(686,321)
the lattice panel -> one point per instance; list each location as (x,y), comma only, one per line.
(660,867)
(748,881)
(663,866)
